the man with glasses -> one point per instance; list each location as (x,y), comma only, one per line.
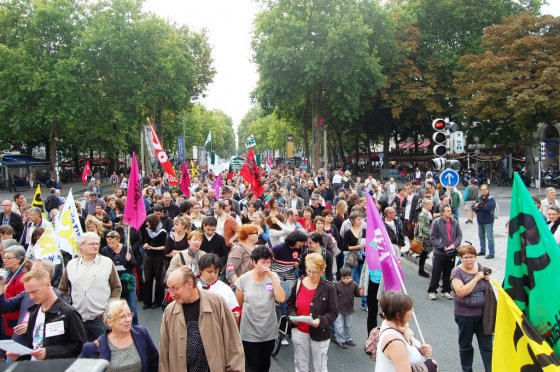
(91,281)
(394,228)
(446,236)
(550,200)
(485,207)
(12,219)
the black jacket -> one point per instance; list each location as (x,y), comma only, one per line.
(17,224)
(398,237)
(66,345)
(323,306)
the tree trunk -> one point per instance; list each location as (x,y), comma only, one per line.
(53,140)
(357,150)
(386,136)
(305,142)
(340,147)
(315,120)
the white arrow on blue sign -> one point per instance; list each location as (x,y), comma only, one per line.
(449,178)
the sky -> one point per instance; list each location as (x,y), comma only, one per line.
(229,25)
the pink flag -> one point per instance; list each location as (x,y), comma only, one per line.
(217,185)
(270,160)
(135,210)
(185,181)
(379,250)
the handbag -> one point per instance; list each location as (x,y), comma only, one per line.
(417,244)
(352,259)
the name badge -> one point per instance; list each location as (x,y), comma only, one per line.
(54,329)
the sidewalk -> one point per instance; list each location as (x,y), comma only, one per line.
(77,190)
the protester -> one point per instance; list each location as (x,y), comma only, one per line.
(201,321)
(239,259)
(312,296)
(315,244)
(13,258)
(470,282)
(91,280)
(485,207)
(346,290)
(257,292)
(12,219)
(55,328)
(550,200)
(425,219)
(125,346)
(397,349)
(154,244)
(190,256)
(125,263)
(177,239)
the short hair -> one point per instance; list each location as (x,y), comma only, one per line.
(316,237)
(319,219)
(114,310)
(345,271)
(261,252)
(186,274)
(222,204)
(315,260)
(17,250)
(47,265)
(244,231)
(307,209)
(548,189)
(354,215)
(426,202)
(88,235)
(37,274)
(326,212)
(113,234)
(153,221)
(17,195)
(195,235)
(6,230)
(467,248)
(294,237)
(394,306)
(185,206)
(9,242)
(208,260)
(443,206)
(35,210)
(210,221)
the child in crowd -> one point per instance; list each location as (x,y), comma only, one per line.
(346,290)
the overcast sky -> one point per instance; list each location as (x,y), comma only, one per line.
(229,26)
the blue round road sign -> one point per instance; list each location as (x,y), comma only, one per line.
(449,178)
(303,166)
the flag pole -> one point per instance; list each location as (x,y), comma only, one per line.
(17,270)
(128,239)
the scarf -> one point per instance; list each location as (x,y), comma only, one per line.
(154,233)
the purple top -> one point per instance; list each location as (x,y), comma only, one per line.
(473,304)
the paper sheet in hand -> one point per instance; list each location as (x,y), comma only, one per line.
(120,268)
(13,347)
(302,319)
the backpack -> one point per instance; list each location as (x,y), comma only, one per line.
(370,347)
(51,203)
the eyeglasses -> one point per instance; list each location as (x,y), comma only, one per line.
(9,258)
(468,258)
(91,244)
(311,273)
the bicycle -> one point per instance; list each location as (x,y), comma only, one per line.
(283,322)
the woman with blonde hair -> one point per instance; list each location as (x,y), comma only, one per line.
(239,259)
(96,226)
(125,346)
(190,256)
(312,296)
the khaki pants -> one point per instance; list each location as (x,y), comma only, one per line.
(302,345)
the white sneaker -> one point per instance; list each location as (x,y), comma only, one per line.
(284,342)
(432,296)
(447,295)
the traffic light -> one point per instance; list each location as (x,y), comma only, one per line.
(442,163)
(542,150)
(440,137)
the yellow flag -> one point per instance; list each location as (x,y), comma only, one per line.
(37,199)
(517,345)
(47,248)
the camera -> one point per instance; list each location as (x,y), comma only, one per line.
(486,270)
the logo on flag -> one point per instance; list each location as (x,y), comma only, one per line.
(46,248)
(250,142)
(135,209)
(87,170)
(67,227)
(208,139)
(250,172)
(163,159)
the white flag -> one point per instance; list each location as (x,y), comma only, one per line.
(67,227)
(250,142)
(208,139)
(46,248)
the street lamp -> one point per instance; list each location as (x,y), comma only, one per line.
(476,151)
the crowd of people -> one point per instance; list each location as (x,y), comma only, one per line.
(224,264)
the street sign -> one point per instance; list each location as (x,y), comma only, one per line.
(303,166)
(449,178)
(381,155)
(458,141)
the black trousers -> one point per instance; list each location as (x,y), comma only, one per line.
(441,269)
(373,306)
(257,355)
(153,271)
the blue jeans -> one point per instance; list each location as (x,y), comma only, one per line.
(343,328)
(356,273)
(468,327)
(486,231)
(94,328)
(131,300)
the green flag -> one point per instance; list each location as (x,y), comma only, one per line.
(532,277)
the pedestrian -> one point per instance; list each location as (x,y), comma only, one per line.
(190,256)
(258,291)
(397,348)
(354,243)
(13,258)
(470,281)
(90,280)
(485,207)
(553,222)
(455,202)
(424,224)
(471,194)
(550,200)
(198,331)
(155,237)
(125,346)
(55,328)
(445,237)
(315,244)
(313,297)
(10,218)
(346,290)
(239,259)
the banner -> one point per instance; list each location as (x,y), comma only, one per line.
(208,139)
(250,142)
(250,172)
(532,266)
(149,143)
(87,170)
(67,227)
(185,181)
(181,148)
(517,345)
(163,159)
(135,209)
(217,186)
(377,241)
(230,171)
(46,248)
(194,169)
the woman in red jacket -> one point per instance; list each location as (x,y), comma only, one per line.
(13,258)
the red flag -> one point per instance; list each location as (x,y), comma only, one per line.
(87,170)
(162,157)
(185,181)
(250,172)
(230,171)
(135,209)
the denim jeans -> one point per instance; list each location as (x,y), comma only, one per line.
(94,328)
(131,300)
(486,231)
(356,273)
(468,327)
(343,328)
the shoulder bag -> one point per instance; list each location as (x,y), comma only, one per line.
(417,244)
(352,259)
